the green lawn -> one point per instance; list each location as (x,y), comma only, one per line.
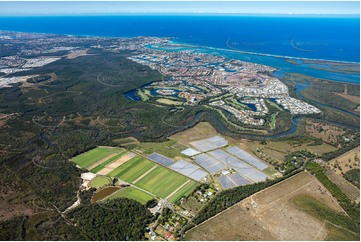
(99,181)
(107,162)
(132,193)
(92,156)
(161,181)
(272,124)
(185,191)
(132,169)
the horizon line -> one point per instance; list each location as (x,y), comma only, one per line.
(179,13)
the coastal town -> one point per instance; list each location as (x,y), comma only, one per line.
(242,89)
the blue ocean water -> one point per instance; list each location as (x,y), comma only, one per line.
(332,38)
(328,38)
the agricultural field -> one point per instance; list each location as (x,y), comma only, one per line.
(132,193)
(161,181)
(299,208)
(107,162)
(103,193)
(96,155)
(132,169)
(142,173)
(184,191)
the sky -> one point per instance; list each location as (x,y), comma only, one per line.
(173,7)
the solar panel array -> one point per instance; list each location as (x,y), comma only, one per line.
(247,157)
(189,169)
(160,159)
(212,143)
(238,179)
(226,182)
(256,176)
(209,163)
(190,152)
(240,166)
(233,180)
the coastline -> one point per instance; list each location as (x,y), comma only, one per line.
(183,44)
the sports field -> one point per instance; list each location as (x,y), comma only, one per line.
(108,161)
(132,169)
(92,156)
(161,181)
(132,193)
(185,191)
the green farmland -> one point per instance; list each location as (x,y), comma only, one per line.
(92,156)
(185,191)
(107,162)
(132,169)
(161,181)
(139,171)
(132,193)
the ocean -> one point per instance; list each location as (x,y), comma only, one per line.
(321,38)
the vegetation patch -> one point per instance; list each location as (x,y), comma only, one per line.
(125,218)
(353,176)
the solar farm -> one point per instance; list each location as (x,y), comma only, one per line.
(210,154)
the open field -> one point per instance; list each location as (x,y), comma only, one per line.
(161,181)
(346,162)
(77,53)
(168,148)
(274,214)
(132,193)
(87,159)
(99,181)
(128,143)
(201,131)
(276,151)
(324,131)
(323,213)
(132,169)
(168,101)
